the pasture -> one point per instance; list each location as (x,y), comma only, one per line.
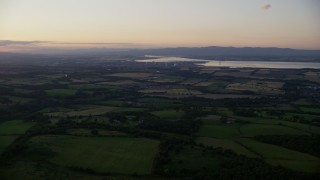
(310,110)
(168,114)
(92,87)
(261,87)
(61,92)
(224,131)
(277,155)
(89,111)
(20,100)
(167,79)
(251,130)
(5,141)
(120,155)
(14,127)
(132,75)
(172,91)
(22,91)
(9,130)
(226,144)
(88,132)
(192,158)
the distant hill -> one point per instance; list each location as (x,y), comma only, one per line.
(216,52)
(208,53)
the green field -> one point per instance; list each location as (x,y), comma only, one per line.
(309,117)
(20,100)
(266,129)
(122,155)
(310,110)
(216,134)
(304,127)
(277,155)
(113,103)
(211,120)
(94,110)
(191,158)
(87,132)
(22,91)
(61,92)
(168,114)
(219,131)
(158,102)
(129,109)
(9,131)
(217,86)
(92,86)
(287,124)
(302,102)
(226,144)
(5,141)
(14,127)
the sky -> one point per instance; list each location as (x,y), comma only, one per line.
(26,25)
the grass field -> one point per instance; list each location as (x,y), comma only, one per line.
(92,86)
(5,141)
(87,132)
(310,110)
(9,131)
(294,125)
(27,81)
(277,155)
(302,102)
(173,91)
(168,114)
(132,75)
(118,83)
(217,85)
(168,79)
(264,87)
(102,154)
(190,81)
(129,109)
(228,136)
(219,131)
(203,84)
(20,100)
(158,102)
(113,103)
(22,91)
(97,110)
(14,127)
(266,129)
(190,158)
(211,120)
(303,127)
(226,144)
(61,92)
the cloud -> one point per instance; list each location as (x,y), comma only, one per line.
(266,7)
(31,43)
(20,43)
(97,44)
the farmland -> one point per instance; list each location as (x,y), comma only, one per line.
(131,120)
(104,155)
(10,130)
(14,127)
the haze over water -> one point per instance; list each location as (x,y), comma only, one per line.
(238,64)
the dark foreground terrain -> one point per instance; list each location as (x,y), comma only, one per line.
(106,118)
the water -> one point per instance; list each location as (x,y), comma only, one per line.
(262,64)
(171,59)
(240,64)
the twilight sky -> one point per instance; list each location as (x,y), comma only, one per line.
(159,23)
